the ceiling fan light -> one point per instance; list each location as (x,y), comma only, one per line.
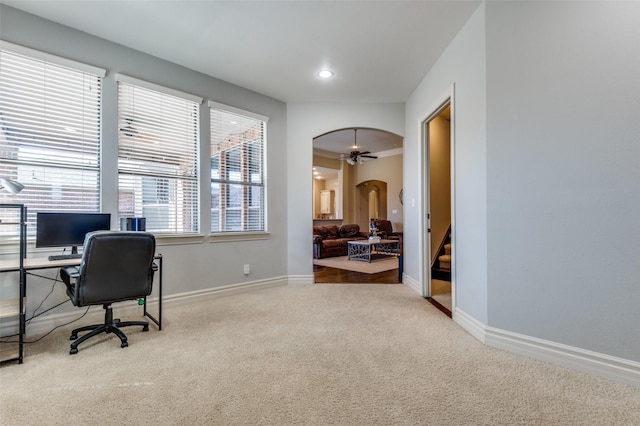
(351,162)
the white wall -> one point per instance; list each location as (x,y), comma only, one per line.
(563,160)
(187,267)
(304,122)
(463,63)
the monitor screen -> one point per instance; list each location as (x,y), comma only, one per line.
(59,229)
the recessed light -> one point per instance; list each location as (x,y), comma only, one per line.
(325,74)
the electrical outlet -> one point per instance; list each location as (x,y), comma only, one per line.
(247,269)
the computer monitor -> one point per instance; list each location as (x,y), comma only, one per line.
(61,229)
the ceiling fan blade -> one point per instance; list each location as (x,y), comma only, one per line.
(368,156)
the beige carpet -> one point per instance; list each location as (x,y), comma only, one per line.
(303,355)
(387,263)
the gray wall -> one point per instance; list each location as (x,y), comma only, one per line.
(563,161)
(547,171)
(188,267)
(305,121)
(462,64)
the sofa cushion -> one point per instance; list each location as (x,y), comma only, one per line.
(334,243)
(321,231)
(350,230)
(332,232)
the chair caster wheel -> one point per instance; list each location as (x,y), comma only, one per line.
(145,328)
(124,345)
(73,337)
(73,351)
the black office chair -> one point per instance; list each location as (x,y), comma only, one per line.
(115,266)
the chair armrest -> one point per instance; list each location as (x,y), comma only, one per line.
(317,239)
(71,271)
(154,267)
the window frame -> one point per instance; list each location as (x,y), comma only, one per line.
(80,141)
(162,180)
(244,182)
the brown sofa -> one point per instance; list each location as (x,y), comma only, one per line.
(330,241)
(385,230)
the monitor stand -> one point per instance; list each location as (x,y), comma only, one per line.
(74,249)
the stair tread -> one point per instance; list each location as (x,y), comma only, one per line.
(444,258)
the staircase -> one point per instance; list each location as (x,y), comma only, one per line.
(441,268)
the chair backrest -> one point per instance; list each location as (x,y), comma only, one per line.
(384,226)
(115,266)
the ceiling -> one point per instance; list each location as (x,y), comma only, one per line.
(339,143)
(379,51)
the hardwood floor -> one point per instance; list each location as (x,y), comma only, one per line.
(326,275)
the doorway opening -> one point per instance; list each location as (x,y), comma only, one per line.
(439,259)
(358,171)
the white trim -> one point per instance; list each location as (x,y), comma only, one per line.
(413,284)
(424,238)
(44,324)
(178,239)
(234,110)
(602,365)
(37,54)
(121,78)
(224,237)
(613,368)
(301,279)
(210,293)
(470,324)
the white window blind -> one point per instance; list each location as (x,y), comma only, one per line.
(237,170)
(158,144)
(49,131)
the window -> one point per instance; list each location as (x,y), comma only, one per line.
(237,170)
(158,144)
(49,131)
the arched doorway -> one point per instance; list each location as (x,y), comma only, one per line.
(361,170)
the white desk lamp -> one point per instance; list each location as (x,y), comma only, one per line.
(11,185)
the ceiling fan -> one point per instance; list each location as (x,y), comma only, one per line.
(355,156)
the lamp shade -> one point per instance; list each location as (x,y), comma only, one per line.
(11,185)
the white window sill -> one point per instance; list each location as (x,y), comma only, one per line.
(168,240)
(224,237)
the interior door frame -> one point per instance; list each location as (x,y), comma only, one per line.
(446,99)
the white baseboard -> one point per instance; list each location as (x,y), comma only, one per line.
(95,315)
(301,279)
(198,295)
(470,324)
(410,282)
(601,365)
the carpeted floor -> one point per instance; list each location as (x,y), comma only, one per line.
(303,355)
(380,264)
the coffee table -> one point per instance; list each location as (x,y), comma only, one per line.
(363,249)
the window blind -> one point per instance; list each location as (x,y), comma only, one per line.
(237,171)
(49,132)
(158,144)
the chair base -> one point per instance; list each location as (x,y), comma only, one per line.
(110,325)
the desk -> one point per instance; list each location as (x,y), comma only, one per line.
(35,263)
